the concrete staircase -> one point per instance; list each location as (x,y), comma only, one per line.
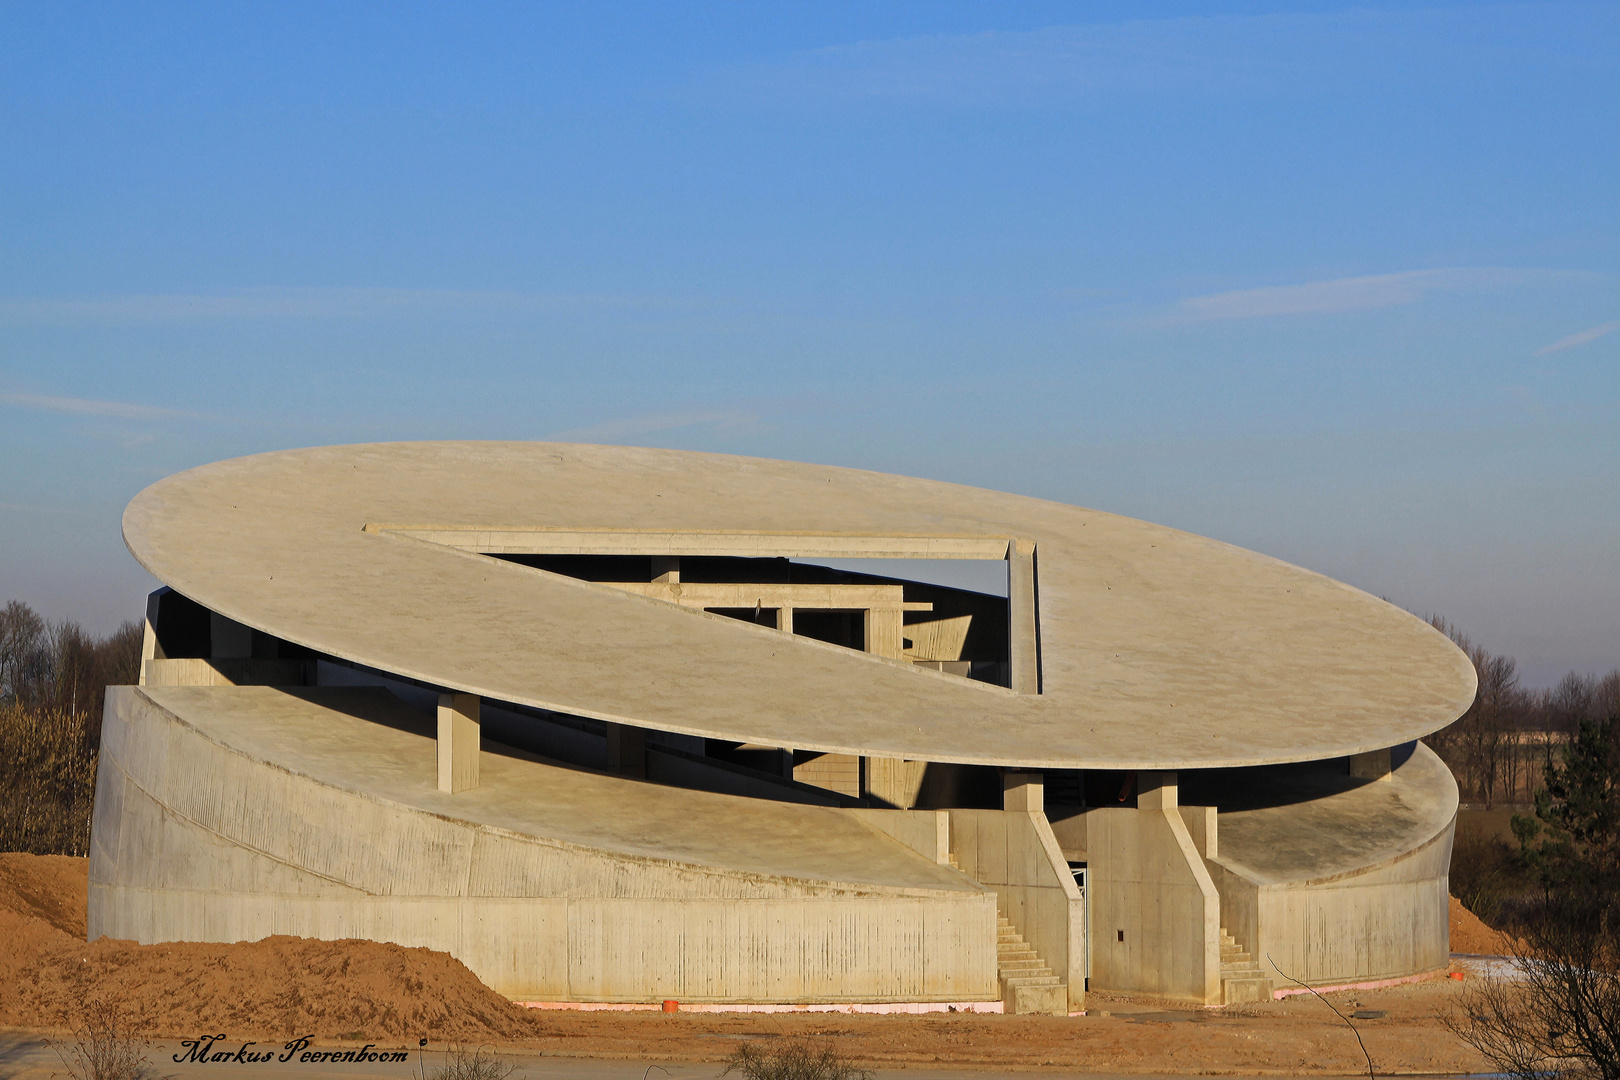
(1241,977)
(1027,984)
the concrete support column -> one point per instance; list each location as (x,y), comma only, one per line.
(885,631)
(1373,765)
(150,649)
(627,751)
(895,781)
(1201,822)
(1156,790)
(784,618)
(667,569)
(459,742)
(1023,622)
(1023,791)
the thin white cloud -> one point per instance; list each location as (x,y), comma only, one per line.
(1205,55)
(1579,339)
(1343,294)
(298,304)
(121,410)
(632,427)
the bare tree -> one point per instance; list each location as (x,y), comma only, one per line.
(53,679)
(22,654)
(1558,1015)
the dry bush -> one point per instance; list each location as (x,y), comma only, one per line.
(53,679)
(103,1047)
(463,1064)
(1490,878)
(1556,1016)
(47,780)
(793,1059)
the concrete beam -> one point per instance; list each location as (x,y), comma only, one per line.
(1024,792)
(773,595)
(1023,621)
(459,742)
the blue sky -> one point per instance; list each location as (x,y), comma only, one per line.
(1338,283)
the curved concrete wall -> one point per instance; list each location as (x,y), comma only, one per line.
(195,839)
(1348,888)
(1381,922)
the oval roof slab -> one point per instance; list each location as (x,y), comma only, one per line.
(1157,648)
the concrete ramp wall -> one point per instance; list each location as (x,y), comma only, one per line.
(1348,886)
(198,837)
(1383,922)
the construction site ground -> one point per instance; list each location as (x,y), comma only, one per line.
(353,993)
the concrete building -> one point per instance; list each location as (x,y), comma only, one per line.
(604,724)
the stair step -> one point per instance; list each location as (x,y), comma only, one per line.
(1027,983)
(1236,990)
(1032,980)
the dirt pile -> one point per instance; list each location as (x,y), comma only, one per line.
(1470,935)
(353,991)
(51,888)
(280,987)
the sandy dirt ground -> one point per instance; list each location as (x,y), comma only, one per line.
(352,992)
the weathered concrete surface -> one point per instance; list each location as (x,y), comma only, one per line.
(1313,822)
(231,813)
(1155,648)
(1319,875)
(1155,912)
(1015,854)
(1348,886)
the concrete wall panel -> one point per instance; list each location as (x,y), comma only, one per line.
(195,841)
(1155,912)
(1389,922)
(1015,853)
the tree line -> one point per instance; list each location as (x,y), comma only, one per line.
(1558,1017)
(1500,748)
(53,677)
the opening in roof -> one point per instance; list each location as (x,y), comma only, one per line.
(947,627)
(916,598)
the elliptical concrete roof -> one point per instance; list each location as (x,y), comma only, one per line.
(1159,649)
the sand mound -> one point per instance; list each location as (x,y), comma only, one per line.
(280,987)
(52,888)
(1470,935)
